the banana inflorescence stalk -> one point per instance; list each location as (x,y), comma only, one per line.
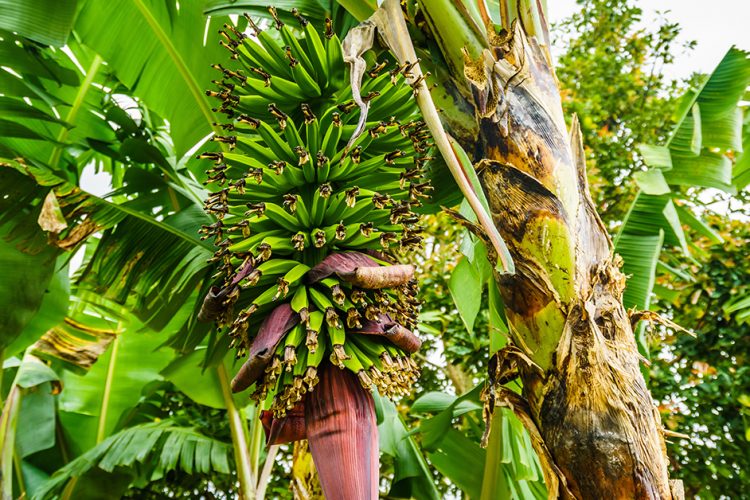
(309,228)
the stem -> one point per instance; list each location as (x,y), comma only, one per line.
(102,425)
(8,421)
(266,472)
(2,372)
(60,438)
(101,428)
(532,16)
(256,441)
(239,439)
(77,103)
(69,488)
(19,475)
(494,482)
(399,41)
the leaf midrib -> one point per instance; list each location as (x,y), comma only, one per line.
(182,68)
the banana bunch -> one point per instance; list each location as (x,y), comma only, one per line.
(309,223)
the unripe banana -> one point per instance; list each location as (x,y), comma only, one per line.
(292,201)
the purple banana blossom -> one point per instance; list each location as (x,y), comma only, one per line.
(270,333)
(212,305)
(343,436)
(286,429)
(213,302)
(343,262)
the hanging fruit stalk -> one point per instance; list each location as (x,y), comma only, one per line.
(312,220)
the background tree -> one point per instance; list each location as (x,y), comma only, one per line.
(611,73)
(702,380)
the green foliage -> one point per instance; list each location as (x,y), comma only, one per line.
(703,382)
(611,76)
(133,112)
(709,126)
(167,57)
(160,446)
(697,155)
(411,476)
(466,290)
(44,21)
(741,172)
(31,276)
(92,404)
(442,326)
(162,251)
(456,452)
(164,400)
(52,309)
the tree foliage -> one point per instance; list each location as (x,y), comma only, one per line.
(703,381)
(611,70)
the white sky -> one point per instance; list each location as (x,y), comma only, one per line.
(715,25)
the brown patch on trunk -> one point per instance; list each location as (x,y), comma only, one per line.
(516,198)
(523,295)
(596,413)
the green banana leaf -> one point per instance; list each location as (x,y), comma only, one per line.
(463,461)
(27,280)
(313,10)
(189,374)
(91,405)
(44,21)
(53,86)
(150,265)
(411,478)
(27,422)
(158,446)
(741,172)
(698,154)
(166,56)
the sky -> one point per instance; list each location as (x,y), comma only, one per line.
(715,25)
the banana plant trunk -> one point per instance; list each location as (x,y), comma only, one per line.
(585,401)
(582,377)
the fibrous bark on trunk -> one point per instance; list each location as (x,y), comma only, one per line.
(589,410)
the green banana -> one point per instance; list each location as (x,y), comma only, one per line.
(289,193)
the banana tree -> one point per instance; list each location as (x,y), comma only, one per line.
(571,341)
